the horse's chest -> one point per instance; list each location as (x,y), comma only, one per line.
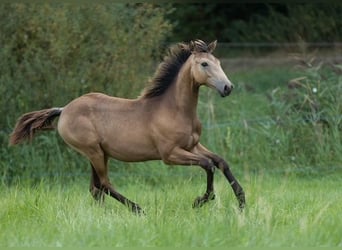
(177,133)
(192,138)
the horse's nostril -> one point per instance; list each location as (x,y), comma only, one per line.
(227,90)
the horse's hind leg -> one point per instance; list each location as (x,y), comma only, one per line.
(96,192)
(99,165)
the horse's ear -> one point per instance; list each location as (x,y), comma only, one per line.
(192,46)
(212,46)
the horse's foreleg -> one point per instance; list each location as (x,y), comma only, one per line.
(223,166)
(209,194)
(182,157)
(238,191)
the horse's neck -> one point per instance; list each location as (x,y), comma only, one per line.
(186,92)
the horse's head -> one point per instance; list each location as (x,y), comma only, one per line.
(206,69)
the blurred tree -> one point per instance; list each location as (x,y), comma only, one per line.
(234,22)
(53,53)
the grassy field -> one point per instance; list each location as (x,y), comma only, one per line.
(290,170)
(282,210)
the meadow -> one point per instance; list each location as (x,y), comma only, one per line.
(282,210)
(283,155)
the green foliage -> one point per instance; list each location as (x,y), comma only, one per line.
(301,22)
(310,110)
(258,22)
(53,53)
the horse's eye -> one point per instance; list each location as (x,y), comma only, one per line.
(204,64)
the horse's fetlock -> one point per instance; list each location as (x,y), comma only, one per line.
(97,194)
(136,209)
(240,195)
(210,196)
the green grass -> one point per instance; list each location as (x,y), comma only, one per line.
(282,210)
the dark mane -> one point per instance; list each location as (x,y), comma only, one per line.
(173,61)
(167,70)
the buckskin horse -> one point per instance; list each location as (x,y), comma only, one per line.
(161,124)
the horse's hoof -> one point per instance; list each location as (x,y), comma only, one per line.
(242,200)
(198,202)
(242,206)
(98,195)
(137,210)
(201,200)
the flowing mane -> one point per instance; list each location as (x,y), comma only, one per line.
(169,68)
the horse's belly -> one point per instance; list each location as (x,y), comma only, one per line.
(133,156)
(130,150)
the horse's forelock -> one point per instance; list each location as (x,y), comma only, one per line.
(199,46)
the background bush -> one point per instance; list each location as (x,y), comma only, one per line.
(258,22)
(296,23)
(53,53)
(309,111)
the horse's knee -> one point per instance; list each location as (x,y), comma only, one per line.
(207,165)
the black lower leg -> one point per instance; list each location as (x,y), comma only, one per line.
(209,194)
(95,185)
(135,208)
(238,191)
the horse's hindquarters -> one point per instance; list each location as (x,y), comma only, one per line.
(119,126)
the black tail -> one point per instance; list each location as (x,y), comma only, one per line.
(29,123)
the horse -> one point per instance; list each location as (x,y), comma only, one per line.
(160,124)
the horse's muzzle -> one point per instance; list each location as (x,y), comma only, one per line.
(227,90)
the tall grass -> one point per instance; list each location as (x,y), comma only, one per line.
(281,211)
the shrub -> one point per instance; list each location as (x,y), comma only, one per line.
(53,53)
(309,110)
(300,22)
